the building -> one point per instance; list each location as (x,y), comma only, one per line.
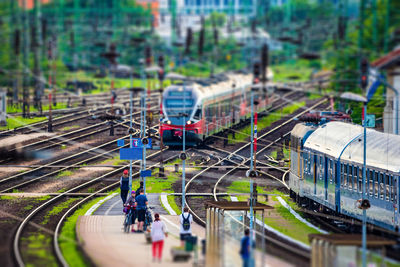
(391,114)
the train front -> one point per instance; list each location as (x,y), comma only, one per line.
(180,106)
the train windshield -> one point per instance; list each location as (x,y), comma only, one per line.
(175,107)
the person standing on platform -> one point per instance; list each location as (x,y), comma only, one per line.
(245,248)
(140,188)
(186,220)
(141,205)
(132,203)
(158,234)
(124,186)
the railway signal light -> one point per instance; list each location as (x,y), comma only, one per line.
(183,156)
(145,141)
(256,72)
(251,173)
(112,54)
(215,36)
(189,39)
(17,41)
(161,74)
(201,42)
(264,62)
(364,73)
(161,61)
(147,53)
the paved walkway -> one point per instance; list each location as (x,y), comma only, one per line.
(107,245)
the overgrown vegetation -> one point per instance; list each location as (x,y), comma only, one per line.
(18,121)
(264,122)
(57,209)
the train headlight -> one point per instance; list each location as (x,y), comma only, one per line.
(189,122)
(168,122)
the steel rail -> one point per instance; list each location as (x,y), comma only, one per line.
(17,253)
(56,245)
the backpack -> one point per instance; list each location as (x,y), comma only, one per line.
(186,222)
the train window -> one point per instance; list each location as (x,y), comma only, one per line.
(197,115)
(341,174)
(350,183)
(387,187)
(381,186)
(395,189)
(330,171)
(376,188)
(371,182)
(357,181)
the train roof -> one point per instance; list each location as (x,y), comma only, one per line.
(345,140)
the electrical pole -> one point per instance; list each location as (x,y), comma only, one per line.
(37,43)
(16,43)
(25,53)
(183,154)
(161,74)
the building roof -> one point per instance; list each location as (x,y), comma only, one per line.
(30,3)
(346,140)
(387,60)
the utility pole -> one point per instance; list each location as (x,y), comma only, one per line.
(25,53)
(37,43)
(161,74)
(183,154)
(387,24)
(16,43)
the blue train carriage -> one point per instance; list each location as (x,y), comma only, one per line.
(297,137)
(332,157)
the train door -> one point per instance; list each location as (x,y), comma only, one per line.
(326,180)
(338,172)
(395,199)
(315,162)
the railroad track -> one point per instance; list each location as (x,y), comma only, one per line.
(299,252)
(30,217)
(69,118)
(77,134)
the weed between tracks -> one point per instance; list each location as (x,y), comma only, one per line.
(279,218)
(68,244)
(14,122)
(264,122)
(57,209)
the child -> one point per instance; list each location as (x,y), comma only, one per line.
(158,234)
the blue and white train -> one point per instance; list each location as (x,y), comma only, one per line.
(327,167)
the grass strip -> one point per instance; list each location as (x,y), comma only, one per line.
(172,202)
(18,121)
(68,244)
(265,121)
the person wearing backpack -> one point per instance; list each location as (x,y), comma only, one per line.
(124,186)
(186,220)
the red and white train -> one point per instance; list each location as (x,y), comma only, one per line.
(206,109)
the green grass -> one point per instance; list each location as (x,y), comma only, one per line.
(265,122)
(15,109)
(104,84)
(18,121)
(64,173)
(313,96)
(67,128)
(291,226)
(57,209)
(8,197)
(158,185)
(298,71)
(172,203)
(68,244)
(37,250)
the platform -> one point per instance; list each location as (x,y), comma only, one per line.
(105,243)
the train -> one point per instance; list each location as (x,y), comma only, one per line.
(327,167)
(208,107)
